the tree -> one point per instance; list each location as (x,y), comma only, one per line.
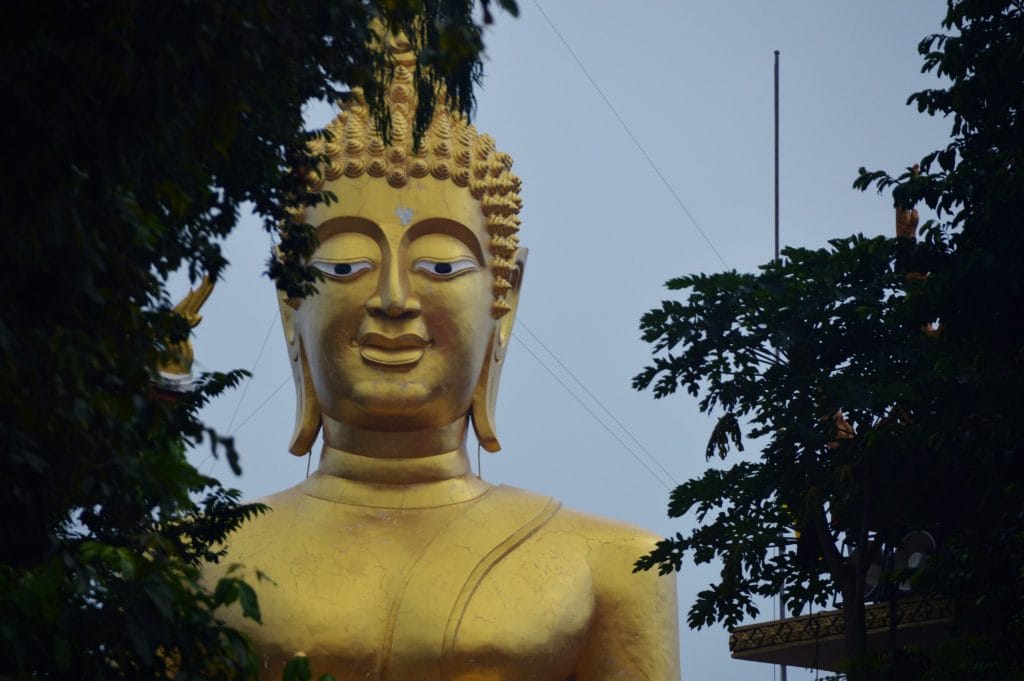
(886,376)
(135,132)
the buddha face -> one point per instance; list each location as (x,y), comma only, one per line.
(397,334)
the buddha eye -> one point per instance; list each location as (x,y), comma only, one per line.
(343,270)
(445,269)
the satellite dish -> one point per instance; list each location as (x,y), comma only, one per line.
(875,587)
(916,548)
(873,578)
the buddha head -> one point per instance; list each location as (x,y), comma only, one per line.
(421,274)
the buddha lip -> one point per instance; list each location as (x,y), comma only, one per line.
(404,350)
(407,341)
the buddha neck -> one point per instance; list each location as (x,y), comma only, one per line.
(424,478)
(406,471)
(391,444)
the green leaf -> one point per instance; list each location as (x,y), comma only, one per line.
(727,429)
(297,669)
(250,604)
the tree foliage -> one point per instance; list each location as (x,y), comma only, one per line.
(822,332)
(135,131)
(886,377)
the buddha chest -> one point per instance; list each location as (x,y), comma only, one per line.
(481,590)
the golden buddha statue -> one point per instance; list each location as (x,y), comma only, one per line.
(393,561)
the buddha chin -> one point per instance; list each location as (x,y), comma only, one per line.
(429,391)
(406,404)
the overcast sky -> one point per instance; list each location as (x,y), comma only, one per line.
(690,83)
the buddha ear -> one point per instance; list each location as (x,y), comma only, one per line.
(485,397)
(307,409)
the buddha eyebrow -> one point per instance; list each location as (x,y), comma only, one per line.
(450,228)
(348,223)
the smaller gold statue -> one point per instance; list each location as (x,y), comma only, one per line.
(174,376)
(393,561)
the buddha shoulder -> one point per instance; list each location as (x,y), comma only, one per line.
(611,549)
(633,622)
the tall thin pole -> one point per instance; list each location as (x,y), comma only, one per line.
(776,155)
(782,600)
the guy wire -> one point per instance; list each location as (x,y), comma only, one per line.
(599,403)
(592,414)
(629,132)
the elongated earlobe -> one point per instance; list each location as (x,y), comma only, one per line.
(307,409)
(485,397)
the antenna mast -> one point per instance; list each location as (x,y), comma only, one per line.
(782,600)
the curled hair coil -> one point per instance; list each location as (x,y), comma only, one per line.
(333,171)
(419,168)
(397,177)
(396,155)
(354,167)
(317,146)
(440,169)
(460,176)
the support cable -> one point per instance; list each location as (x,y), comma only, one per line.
(598,402)
(249,417)
(252,371)
(590,411)
(245,389)
(629,132)
(260,405)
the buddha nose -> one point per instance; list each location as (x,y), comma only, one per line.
(393,297)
